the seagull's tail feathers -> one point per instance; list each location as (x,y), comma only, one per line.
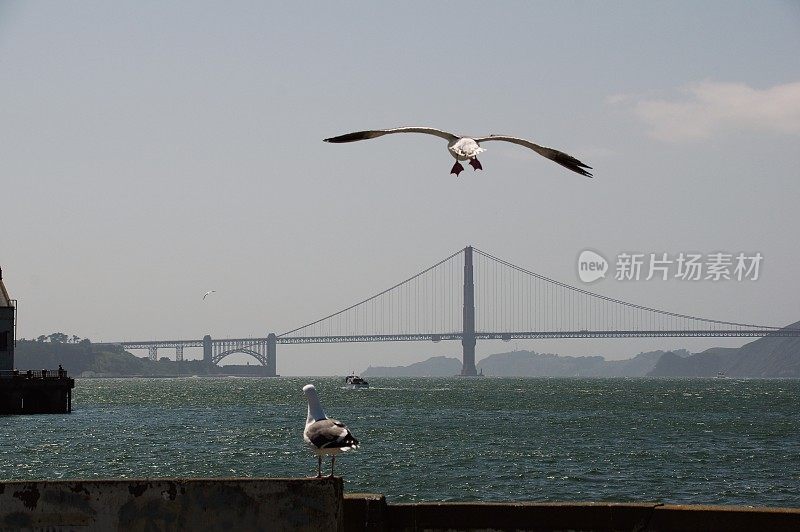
(353,444)
(348,442)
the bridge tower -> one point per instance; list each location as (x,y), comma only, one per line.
(468,332)
(207,350)
(272,344)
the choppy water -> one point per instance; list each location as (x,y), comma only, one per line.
(699,441)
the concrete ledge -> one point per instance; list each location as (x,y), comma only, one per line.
(370,512)
(319,504)
(365,511)
(173,504)
(729,518)
(520,516)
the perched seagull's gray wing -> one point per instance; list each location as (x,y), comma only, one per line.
(328,434)
(372,133)
(567,161)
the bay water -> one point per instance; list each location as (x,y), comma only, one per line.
(705,441)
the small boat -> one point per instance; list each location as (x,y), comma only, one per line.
(721,375)
(353,382)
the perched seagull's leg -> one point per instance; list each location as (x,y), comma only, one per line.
(333,459)
(457,168)
(319,466)
(475,163)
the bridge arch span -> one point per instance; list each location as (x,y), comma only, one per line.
(217,358)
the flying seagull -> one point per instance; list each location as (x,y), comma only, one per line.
(206,294)
(323,435)
(468,148)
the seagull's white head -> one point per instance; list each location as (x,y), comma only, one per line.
(315,412)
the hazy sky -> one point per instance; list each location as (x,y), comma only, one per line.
(151,151)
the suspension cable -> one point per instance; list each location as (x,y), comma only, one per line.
(612,300)
(375,296)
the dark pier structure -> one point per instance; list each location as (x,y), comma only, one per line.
(33,391)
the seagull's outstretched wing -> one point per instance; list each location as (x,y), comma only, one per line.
(207,293)
(567,161)
(373,133)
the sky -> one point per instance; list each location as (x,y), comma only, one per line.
(152,151)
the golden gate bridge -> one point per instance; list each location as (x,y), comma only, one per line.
(468,296)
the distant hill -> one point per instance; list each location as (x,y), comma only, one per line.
(640,365)
(768,357)
(440,366)
(529,364)
(74,357)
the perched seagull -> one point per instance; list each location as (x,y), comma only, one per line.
(206,294)
(323,435)
(468,148)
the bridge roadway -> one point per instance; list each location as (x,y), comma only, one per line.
(479,335)
(263,349)
(537,335)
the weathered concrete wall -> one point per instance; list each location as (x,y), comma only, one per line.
(319,504)
(173,504)
(370,512)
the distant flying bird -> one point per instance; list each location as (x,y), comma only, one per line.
(468,148)
(323,435)
(206,294)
